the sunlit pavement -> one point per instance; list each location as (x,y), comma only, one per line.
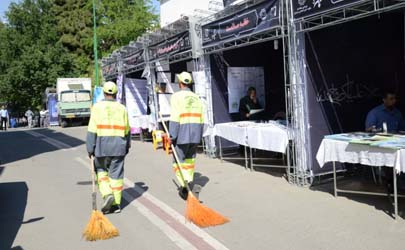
(45,197)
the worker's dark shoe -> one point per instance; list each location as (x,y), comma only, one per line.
(183,193)
(196,190)
(115,209)
(108,202)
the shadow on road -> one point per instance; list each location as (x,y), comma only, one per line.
(21,145)
(11,211)
(382,203)
(200,179)
(134,194)
(17,248)
(33,220)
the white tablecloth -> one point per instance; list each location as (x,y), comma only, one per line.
(233,131)
(264,136)
(345,152)
(268,136)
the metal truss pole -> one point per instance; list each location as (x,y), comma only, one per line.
(287,89)
(151,82)
(297,96)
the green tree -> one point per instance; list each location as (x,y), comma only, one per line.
(118,22)
(122,21)
(47,39)
(75,30)
(31,56)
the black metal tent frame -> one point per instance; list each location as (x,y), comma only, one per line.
(347,13)
(273,33)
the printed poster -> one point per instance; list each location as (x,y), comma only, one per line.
(136,93)
(164,104)
(239,81)
(53,110)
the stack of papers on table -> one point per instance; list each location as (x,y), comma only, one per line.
(372,140)
(395,143)
(350,136)
(255,111)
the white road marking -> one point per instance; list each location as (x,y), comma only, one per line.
(170,211)
(162,225)
(180,218)
(51,141)
(171,233)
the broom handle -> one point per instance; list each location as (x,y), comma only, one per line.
(176,157)
(93,184)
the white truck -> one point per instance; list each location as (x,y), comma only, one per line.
(74,100)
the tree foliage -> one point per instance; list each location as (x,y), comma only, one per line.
(46,39)
(118,22)
(31,58)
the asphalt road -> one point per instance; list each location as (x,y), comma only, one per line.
(45,202)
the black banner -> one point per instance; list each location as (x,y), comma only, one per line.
(228,2)
(110,69)
(255,19)
(171,46)
(304,8)
(134,59)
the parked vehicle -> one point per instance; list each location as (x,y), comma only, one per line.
(74,100)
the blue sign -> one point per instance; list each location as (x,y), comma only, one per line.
(53,110)
(98,95)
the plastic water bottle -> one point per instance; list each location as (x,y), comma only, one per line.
(385,129)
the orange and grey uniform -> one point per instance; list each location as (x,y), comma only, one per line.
(186,128)
(109,139)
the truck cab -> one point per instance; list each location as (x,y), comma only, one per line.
(74,103)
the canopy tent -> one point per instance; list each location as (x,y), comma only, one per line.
(347,63)
(246,39)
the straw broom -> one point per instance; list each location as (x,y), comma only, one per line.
(196,212)
(99,227)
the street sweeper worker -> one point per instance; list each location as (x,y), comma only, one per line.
(186,128)
(108,142)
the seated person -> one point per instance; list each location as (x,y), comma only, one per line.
(161,88)
(248,103)
(386,112)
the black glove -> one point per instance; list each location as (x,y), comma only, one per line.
(91,155)
(173,141)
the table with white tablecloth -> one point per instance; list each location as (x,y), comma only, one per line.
(332,150)
(234,132)
(142,122)
(269,136)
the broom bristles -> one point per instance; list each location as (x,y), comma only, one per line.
(201,215)
(99,228)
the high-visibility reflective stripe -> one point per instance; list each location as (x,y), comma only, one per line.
(192,120)
(117,188)
(188,167)
(184,115)
(117,127)
(104,179)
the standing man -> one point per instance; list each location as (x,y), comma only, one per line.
(108,142)
(30,115)
(42,116)
(248,103)
(4,118)
(186,128)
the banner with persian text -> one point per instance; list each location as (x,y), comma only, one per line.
(252,20)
